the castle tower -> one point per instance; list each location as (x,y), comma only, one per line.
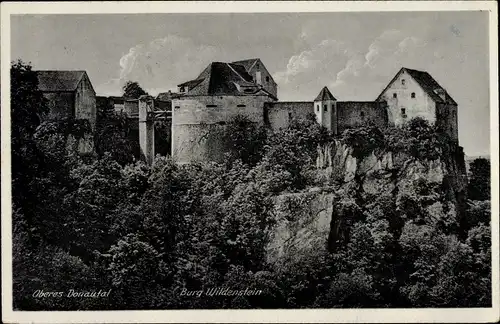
(325,109)
(146,128)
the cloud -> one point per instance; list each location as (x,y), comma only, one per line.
(161,64)
(319,56)
(351,74)
(366,73)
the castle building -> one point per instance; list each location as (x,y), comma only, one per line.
(334,115)
(260,74)
(69,95)
(412,94)
(224,90)
(220,92)
(202,106)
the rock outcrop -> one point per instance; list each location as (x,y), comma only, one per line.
(312,221)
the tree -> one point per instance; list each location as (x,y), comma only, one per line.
(28,107)
(132,90)
(295,147)
(245,140)
(479,183)
(115,134)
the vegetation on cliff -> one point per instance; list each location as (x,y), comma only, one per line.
(147,232)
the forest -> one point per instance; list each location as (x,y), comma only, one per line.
(108,221)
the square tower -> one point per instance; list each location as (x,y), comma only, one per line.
(325,109)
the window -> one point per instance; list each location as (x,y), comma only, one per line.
(403,112)
(240,105)
(317,108)
(413,94)
(326,108)
(394,95)
(403,81)
(267,79)
(210,106)
(258,66)
(362,114)
(289,115)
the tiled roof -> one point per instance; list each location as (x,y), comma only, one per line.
(58,81)
(220,78)
(325,94)
(427,82)
(247,64)
(165,96)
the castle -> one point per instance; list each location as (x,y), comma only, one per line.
(223,90)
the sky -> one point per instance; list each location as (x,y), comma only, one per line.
(354,54)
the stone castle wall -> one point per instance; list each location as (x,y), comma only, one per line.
(357,113)
(280,114)
(198,122)
(447,119)
(85,102)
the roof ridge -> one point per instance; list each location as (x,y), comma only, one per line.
(414,70)
(85,71)
(250,59)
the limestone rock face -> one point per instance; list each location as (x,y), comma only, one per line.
(302,224)
(304,220)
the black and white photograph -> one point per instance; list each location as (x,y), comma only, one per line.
(237,159)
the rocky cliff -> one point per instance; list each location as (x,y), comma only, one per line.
(347,185)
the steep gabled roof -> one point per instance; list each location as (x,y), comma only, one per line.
(220,78)
(325,94)
(59,81)
(426,82)
(429,84)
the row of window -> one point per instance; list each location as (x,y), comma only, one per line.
(213,106)
(325,108)
(395,95)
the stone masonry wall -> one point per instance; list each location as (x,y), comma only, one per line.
(399,96)
(85,102)
(279,114)
(356,113)
(196,122)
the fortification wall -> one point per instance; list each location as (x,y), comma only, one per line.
(280,114)
(85,102)
(357,113)
(198,123)
(447,119)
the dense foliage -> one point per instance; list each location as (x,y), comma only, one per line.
(147,232)
(480,178)
(132,90)
(115,134)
